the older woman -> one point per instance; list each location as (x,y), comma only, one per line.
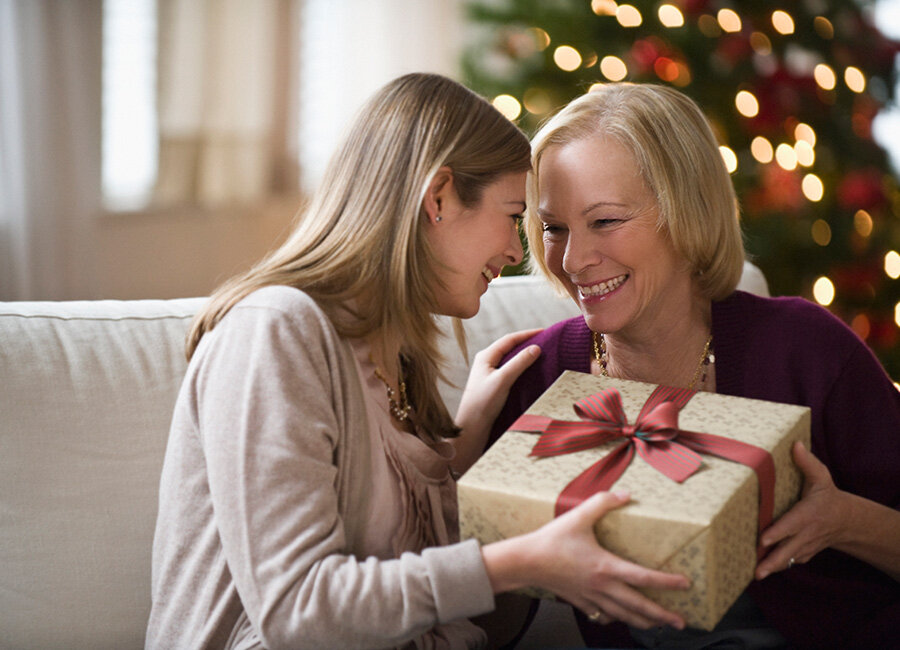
(632,212)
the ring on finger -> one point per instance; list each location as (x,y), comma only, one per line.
(593,618)
(791,563)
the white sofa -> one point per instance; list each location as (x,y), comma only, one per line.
(86,393)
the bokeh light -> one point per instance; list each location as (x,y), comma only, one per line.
(730,159)
(785,156)
(508,105)
(729,21)
(670,16)
(892,264)
(746,103)
(823,291)
(821,232)
(813,188)
(613,68)
(629,16)
(824,76)
(782,22)
(862,222)
(566,58)
(855,79)
(761,149)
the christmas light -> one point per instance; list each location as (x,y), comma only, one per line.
(761,149)
(709,26)
(823,291)
(603,7)
(897,320)
(862,221)
(536,101)
(805,132)
(892,264)
(785,156)
(508,105)
(670,16)
(541,37)
(824,76)
(821,232)
(567,58)
(729,158)
(813,188)
(746,103)
(861,326)
(729,21)
(823,27)
(629,16)
(782,22)
(806,155)
(590,60)
(855,79)
(666,69)
(760,43)
(613,68)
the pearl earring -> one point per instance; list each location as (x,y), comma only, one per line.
(438,218)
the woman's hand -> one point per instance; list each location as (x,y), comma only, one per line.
(826,517)
(486,391)
(564,557)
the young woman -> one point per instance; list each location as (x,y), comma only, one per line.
(634,215)
(307,498)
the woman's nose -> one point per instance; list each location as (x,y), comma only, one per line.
(579,254)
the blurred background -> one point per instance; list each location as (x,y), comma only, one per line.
(152,148)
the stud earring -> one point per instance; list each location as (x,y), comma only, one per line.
(438,218)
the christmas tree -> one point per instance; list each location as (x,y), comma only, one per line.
(791,89)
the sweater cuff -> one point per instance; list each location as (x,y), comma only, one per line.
(459,581)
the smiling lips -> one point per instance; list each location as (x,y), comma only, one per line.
(489,273)
(601,288)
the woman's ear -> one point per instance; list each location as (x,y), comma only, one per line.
(438,195)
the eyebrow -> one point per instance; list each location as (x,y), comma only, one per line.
(593,206)
(515,202)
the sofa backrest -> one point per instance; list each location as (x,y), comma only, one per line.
(86,395)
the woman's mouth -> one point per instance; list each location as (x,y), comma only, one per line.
(489,273)
(601,288)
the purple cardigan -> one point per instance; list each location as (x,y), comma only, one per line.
(793,351)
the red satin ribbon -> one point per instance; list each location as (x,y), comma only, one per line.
(656,436)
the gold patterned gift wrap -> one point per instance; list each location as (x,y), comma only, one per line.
(703,522)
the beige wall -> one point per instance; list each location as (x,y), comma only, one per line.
(177,254)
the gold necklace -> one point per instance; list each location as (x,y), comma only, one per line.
(707,357)
(399,408)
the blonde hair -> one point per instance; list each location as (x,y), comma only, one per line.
(360,244)
(680,162)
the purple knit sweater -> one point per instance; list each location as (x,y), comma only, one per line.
(788,350)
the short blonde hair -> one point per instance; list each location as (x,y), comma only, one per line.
(680,162)
(361,243)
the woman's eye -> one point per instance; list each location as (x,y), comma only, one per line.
(602,223)
(550,229)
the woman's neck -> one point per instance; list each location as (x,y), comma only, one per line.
(669,351)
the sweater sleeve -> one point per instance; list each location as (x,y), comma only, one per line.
(269,408)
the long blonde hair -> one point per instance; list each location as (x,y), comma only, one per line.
(679,159)
(360,243)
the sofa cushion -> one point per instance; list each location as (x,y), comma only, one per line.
(87,394)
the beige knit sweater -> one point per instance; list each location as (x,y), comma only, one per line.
(263,488)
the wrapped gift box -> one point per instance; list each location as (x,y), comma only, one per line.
(705,527)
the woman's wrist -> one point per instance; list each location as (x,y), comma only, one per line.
(509,563)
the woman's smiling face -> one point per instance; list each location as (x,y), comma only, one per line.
(602,238)
(473,244)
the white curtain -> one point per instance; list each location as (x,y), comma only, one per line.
(350,48)
(50,56)
(224,89)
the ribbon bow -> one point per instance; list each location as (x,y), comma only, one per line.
(656,436)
